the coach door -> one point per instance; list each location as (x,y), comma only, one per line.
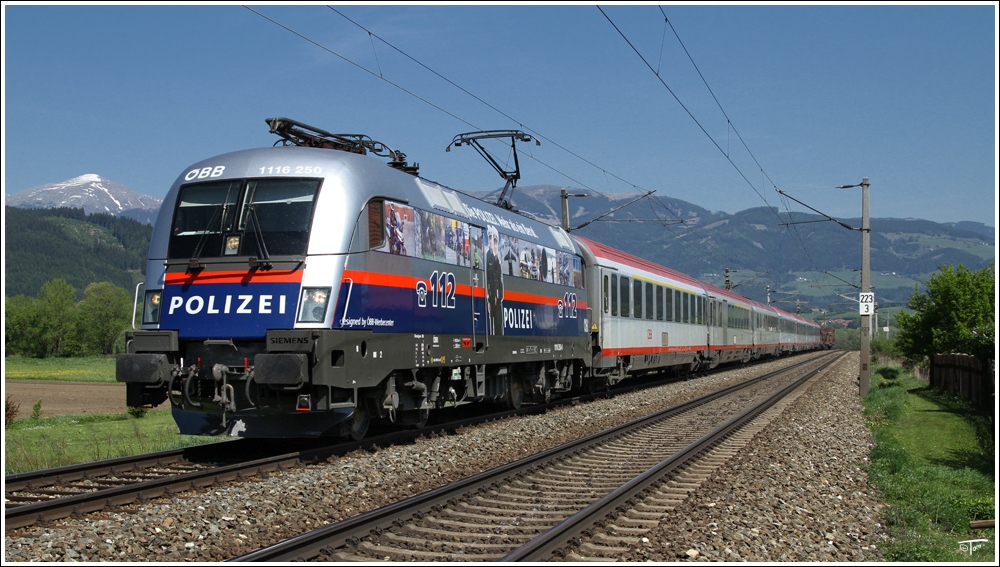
(610,330)
(717,328)
(725,325)
(476,256)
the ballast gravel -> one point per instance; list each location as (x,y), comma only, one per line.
(798,492)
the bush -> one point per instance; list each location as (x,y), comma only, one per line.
(883,349)
(10,410)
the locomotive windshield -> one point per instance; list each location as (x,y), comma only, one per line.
(257,217)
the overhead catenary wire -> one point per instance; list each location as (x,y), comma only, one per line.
(729,124)
(657,204)
(663,222)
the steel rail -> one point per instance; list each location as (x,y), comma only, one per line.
(556,539)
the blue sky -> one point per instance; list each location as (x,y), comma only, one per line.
(816,95)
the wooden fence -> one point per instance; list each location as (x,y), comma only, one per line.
(967,376)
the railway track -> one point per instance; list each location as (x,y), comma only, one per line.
(573,501)
(52,494)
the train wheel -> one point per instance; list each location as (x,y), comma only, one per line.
(515,394)
(359,423)
(416,418)
(422,420)
(693,368)
(595,385)
(419,419)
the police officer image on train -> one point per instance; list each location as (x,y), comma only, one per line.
(311,288)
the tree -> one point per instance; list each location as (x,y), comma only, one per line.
(54,325)
(104,313)
(22,327)
(57,312)
(954,314)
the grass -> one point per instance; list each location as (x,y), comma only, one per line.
(41,443)
(934,462)
(32,442)
(74,369)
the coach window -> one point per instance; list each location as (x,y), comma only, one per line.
(614,295)
(659,303)
(701,310)
(669,305)
(607,304)
(637,299)
(650,302)
(625,299)
(376,220)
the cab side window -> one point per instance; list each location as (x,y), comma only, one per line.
(376,224)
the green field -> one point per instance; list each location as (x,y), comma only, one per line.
(976,247)
(43,443)
(80,369)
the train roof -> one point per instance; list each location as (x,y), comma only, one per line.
(603,251)
(364,176)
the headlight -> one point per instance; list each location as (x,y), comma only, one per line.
(151,306)
(312,305)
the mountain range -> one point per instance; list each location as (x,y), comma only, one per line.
(93,194)
(798,260)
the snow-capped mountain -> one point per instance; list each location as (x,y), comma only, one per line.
(93,194)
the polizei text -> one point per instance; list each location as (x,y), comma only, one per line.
(239,304)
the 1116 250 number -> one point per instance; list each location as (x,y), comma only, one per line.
(289,170)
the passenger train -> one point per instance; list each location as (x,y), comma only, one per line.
(307,289)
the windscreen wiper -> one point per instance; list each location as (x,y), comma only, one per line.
(258,239)
(193,263)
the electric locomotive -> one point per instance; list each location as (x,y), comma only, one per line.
(305,289)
